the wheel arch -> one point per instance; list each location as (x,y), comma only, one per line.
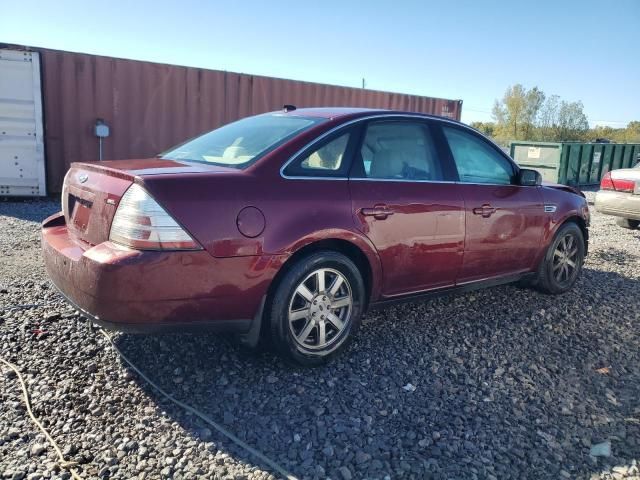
(369,267)
(542,281)
(362,255)
(578,220)
(552,229)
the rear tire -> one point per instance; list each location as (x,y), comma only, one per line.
(316,308)
(628,223)
(562,263)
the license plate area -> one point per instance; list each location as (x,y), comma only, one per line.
(636,189)
(79,204)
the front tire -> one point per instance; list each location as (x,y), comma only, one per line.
(563,260)
(316,308)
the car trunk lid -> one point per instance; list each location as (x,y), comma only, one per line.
(90,197)
(92,190)
(631,174)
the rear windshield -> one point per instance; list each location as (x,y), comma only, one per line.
(240,143)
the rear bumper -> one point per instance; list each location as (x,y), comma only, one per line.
(141,291)
(620,204)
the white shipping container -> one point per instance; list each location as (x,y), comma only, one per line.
(22,170)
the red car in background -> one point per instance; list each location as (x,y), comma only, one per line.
(292,224)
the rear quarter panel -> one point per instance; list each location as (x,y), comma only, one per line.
(297,213)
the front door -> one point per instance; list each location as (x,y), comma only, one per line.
(504,221)
(402,200)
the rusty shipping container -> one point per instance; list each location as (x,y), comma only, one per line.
(150,106)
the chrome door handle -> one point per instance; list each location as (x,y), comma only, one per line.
(379,212)
(486,211)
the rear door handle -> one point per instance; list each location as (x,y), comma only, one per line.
(485,210)
(379,212)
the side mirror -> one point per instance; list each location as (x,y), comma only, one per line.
(529,178)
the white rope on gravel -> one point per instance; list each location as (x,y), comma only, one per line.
(68,465)
(204,417)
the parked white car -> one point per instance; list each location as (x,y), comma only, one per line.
(619,195)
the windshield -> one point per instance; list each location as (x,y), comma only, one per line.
(240,143)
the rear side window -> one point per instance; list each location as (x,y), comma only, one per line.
(476,160)
(329,159)
(399,151)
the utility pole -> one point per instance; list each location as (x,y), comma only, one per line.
(363,83)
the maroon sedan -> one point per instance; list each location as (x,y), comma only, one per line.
(292,224)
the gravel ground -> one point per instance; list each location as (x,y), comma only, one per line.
(496,384)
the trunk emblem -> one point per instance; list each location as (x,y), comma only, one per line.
(83,177)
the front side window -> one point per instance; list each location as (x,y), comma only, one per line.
(476,160)
(240,143)
(399,151)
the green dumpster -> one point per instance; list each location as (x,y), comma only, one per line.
(574,163)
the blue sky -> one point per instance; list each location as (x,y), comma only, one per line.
(581,50)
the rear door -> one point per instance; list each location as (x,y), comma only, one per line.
(404,200)
(504,221)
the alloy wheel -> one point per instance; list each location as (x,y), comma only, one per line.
(320,309)
(565,259)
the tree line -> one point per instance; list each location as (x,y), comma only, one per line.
(531,115)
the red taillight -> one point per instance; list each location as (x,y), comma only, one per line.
(140,222)
(623,185)
(618,184)
(606,183)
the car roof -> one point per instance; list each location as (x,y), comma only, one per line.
(329,112)
(351,112)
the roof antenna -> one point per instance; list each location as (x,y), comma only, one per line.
(288,108)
